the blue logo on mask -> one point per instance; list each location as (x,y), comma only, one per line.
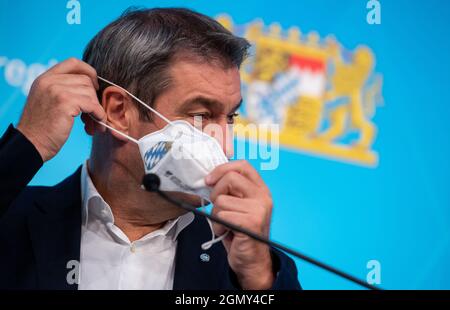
(156,153)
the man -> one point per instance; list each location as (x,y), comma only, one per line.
(99,220)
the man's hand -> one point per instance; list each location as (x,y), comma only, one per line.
(241,197)
(56,98)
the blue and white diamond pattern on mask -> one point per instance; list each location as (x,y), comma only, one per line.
(156,153)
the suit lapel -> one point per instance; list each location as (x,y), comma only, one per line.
(55,232)
(196,268)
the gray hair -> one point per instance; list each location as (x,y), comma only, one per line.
(136,50)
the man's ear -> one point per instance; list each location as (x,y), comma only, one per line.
(118,108)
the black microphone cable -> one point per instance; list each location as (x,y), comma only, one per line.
(152,182)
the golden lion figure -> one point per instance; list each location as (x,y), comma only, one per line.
(348,80)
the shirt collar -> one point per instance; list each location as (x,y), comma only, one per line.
(93,204)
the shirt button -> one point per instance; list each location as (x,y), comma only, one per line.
(133,248)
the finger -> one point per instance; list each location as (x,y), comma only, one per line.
(82,89)
(80,98)
(88,101)
(258,216)
(82,101)
(234,218)
(71,80)
(230,203)
(88,123)
(239,166)
(73,65)
(91,106)
(217,228)
(91,126)
(233,184)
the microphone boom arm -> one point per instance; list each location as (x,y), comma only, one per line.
(151,183)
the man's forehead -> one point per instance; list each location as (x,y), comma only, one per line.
(184,70)
(206,82)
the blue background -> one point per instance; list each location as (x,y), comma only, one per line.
(397,213)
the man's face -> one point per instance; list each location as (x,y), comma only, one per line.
(202,90)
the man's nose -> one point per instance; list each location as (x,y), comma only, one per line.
(226,140)
(223,133)
(228,144)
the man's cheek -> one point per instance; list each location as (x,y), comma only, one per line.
(223,135)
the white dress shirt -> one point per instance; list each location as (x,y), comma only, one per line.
(108,260)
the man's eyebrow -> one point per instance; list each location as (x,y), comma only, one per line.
(211,104)
(236,107)
(200,100)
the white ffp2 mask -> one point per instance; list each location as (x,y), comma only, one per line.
(179,154)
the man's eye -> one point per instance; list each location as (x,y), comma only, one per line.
(231,117)
(202,116)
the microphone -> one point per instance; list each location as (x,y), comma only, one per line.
(152,183)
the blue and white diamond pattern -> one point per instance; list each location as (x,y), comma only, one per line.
(156,153)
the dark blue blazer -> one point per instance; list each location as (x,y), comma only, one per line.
(40,232)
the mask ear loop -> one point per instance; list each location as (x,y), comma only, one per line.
(115,130)
(137,99)
(208,244)
(141,102)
